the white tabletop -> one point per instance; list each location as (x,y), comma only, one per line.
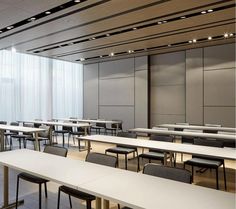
(89,120)
(183,133)
(54,123)
(128,188)
(224,153)
(137,190)
(21,129)
(226,129)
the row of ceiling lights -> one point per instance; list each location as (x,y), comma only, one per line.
(41,15)
(38,50)
(226,35)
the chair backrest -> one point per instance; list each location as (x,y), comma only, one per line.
(14,124)
(54,150)
(44,134)
(114,125)
(160,129)
(67,128)
(162,138)
(103,125)
(212,125)
(189,139)
(208,142)
(187,124)
(3,122)
(171,173)
(127,134)
(102,159)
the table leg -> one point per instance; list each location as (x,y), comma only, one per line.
(50,135)
(165,158)
(6,204)
(89,147)
(98,203)
(106,204)
(2,140)
(36,143)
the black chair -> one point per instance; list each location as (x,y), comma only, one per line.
(97,158)
(207,162)
(228,142)
(124,149)
(63,131)
(42,136)
(156,154)
(211,131)
(114,129)
(60,151)
(172,173)
(98,127)
(22,137)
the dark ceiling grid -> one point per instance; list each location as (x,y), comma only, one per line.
(87,23)
(98,35)
(40,16)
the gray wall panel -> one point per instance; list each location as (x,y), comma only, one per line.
(119,91)
(168,99)
(194,86)
(158,119)
(118,112)
(116,69)
(220,115)
(218,57)
(141,63)
(168,69)
(141,98)
(219,87)
(91,91)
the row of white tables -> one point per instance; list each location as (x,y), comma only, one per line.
(196,127)
(223,153)
(184,133)
(128,188)
(22,129)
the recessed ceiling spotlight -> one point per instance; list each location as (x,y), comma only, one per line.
(169,45)
(13,49)
(209,38)
(107,34)
(134,28)
(10,27)
(70,44)
(130,51)
(32,19)
(159,22)
(203,12)
(183,17)
(0,31)
(101,56)
(47,12)
(164,21)
(190,41)
(194,40)
(112,54)
(210,10)
(82,59)
(76,1)
(231,34)
(226,35)
(93,38)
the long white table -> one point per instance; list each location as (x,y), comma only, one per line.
(223,153)
(183,133)
(208,128)
(54,123)
(22,129)
(128,188)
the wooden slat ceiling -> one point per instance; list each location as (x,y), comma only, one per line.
(95,30)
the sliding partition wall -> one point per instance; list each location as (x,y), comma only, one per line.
(37,87)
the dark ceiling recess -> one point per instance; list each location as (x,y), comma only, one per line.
(42,15)
(154,22)
(184,43)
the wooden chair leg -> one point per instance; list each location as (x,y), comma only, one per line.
(58,198)
(70,201)
(45,190)
(224,176)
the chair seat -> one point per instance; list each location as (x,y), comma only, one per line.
(77,133)
(121,150)
(39,139)
(77,193)
(112,129)
(61,131)
(153,155)
(20,136)
(9,134)
(97,127)
(32,178)
(201,162)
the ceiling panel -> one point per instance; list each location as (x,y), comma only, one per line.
(67,34)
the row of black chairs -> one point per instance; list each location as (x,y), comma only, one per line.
(102,159)
(157,154)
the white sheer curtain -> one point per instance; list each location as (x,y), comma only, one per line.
(27,87)
(67,89)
